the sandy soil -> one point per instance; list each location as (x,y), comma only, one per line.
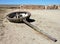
(20,33)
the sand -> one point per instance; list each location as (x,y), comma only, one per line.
(20,33)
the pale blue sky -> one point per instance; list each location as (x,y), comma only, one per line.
(37,2)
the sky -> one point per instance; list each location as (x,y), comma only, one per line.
(28,2)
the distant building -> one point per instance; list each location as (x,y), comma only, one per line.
(58,6)
(52,7)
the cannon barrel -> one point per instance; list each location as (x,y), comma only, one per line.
(41,31)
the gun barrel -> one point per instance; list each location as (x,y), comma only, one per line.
(41,31)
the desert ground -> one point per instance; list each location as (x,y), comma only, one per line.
(20,33)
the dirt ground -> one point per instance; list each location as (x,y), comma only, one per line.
(20,33)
